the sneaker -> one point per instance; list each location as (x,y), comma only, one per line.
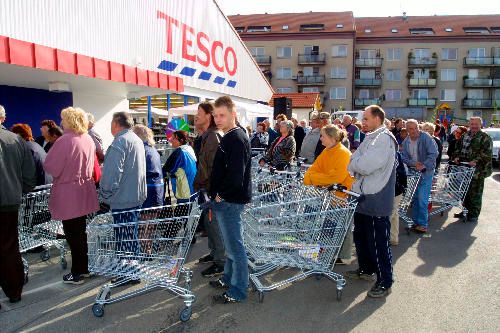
(72,279)
(458,215)
(218,284)
(213,271)
(379,291)
(86,275)
(360,275)
(206,259)
(224,299)
(420,229)
(15,299)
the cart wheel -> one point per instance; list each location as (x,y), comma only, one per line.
(261,296)
(45,255)
(407,231)
(64,263)
(98,310)
(339,295)
(185,314)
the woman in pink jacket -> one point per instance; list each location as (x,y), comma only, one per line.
(70,161)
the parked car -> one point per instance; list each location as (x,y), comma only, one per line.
(494,133)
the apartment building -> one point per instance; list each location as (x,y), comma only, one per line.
(410,65)
(304,52)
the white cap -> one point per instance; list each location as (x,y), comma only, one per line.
(454,128)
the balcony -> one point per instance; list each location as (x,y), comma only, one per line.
(262,59)
(424,102)
(472,103)
(368,82)
(422,62)
(312,59)
(429,83)
(369,62)
(482,62)
(363,102)
(479,82)
(311,80)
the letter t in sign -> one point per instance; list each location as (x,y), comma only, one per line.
(170,22)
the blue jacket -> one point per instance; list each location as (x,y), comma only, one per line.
(427,152)
(181,165)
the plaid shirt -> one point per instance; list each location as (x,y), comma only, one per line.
(466,141)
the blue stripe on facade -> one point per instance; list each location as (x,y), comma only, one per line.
(231,83)
(167,65)
(205,76)
(188,71)
(219,80)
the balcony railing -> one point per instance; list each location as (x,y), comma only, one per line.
(369,62)
(307,59)
(422,83)
(426,102)
(311,79)
(262,59)
(496,82)
(368,82)
(481,61)
(422,62)
(478,82)
(474,103)
(360,102)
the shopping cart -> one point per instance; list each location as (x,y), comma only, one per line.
(36,227)
(267,181)
(150,245)
(306,233)
(413,179)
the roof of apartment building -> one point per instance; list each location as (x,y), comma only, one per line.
(428,26)
(316,22)
(299,100)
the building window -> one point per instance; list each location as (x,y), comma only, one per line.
(257,51)
(477,52)
(474,113)
(284,52)
(421,31)
(422,53)
(284,73)
(312,27)
(367,74)
(393,95)
(259,28)
(339,51)
(393,75)
(339,73)
(364,93)
(448,95)
(449,54)
(284,90)
(448,74)
(310,90)
(394,54)
(367,54)
(337,93)
(420,93)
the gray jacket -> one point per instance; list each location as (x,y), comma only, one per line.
(309,145)
(427,152)
(17,170)
(373,166)
(123,182)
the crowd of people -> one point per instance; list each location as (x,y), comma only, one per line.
(370,156)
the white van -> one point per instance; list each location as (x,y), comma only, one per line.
(341,114)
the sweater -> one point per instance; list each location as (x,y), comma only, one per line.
(427,152)
(123,182)
(205,156)
(280,153)
(42,178)
(231,172)
(17,170)
(330,168)
(309,145)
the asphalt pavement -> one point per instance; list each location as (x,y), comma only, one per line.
(446,281)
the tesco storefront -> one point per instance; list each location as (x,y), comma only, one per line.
(99,54)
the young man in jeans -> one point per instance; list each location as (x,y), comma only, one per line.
(230,190)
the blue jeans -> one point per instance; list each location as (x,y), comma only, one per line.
(126,237)
(420,214)
(236,266)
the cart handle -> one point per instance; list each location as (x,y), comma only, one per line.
(273,171)
(343,189)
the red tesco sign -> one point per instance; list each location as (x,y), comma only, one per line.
(207,51)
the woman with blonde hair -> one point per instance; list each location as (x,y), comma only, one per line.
(154,174)
(70,161)
(331,168)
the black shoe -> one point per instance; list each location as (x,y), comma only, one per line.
(73,279)
(360,275)
(472,219)
(458,215)
(206,259)
(379,291)
(213,271)
(224,299)
(15,299)
(193,241)
(218,284)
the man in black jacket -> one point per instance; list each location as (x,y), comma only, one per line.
(230,190)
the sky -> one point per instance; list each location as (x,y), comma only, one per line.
(363,7)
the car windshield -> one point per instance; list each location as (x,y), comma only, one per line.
(495,135)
